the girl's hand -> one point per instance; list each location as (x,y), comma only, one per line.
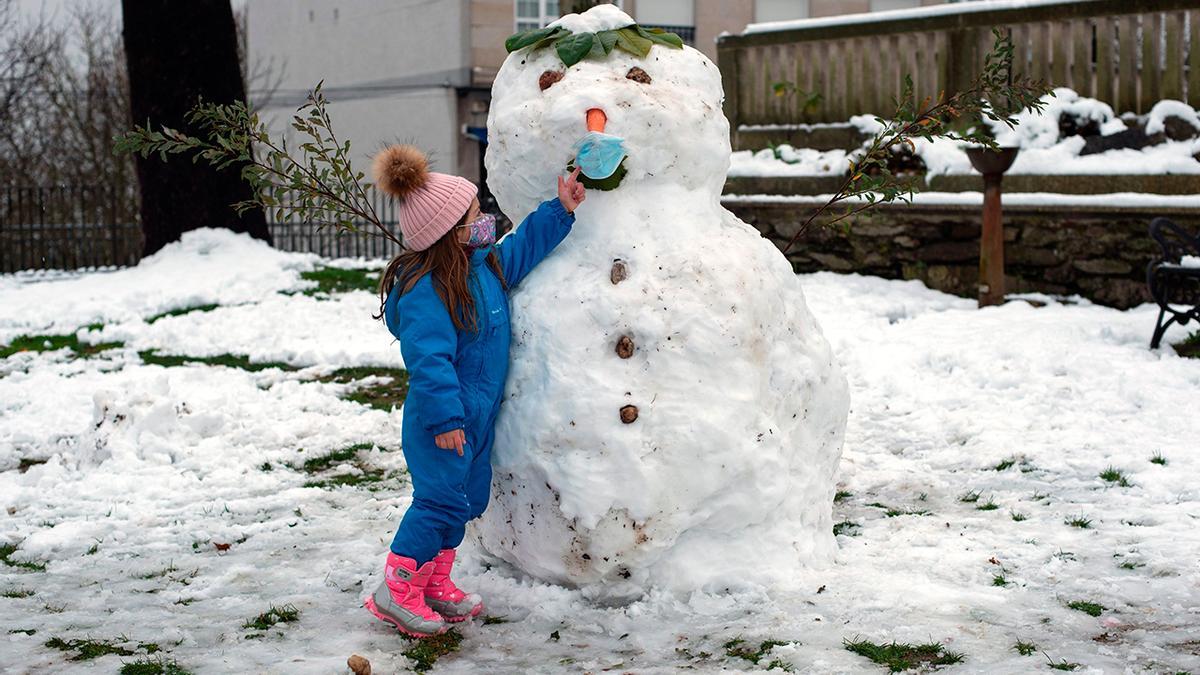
(571,192)
(452,440)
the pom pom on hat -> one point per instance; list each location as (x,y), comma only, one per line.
(400,170)
(431,203)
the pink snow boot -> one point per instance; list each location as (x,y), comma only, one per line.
(400,598)
(442,595)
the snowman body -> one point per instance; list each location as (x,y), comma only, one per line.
(673,416)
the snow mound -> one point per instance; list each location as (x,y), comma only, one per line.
(1043,152)
(725,477)
(1040,130)
(796,161)
(598,18)
(206,266)
(1155,122)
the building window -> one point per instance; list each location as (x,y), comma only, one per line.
(780,10)
(534,14)
(886,5)
(675,16)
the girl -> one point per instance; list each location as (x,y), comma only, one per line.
(446,300)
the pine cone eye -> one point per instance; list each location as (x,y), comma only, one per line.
(638,75)
(548,78)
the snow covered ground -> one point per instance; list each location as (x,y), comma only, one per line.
(171,508)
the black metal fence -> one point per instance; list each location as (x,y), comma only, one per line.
(74,227)
(292,234)
(65,227)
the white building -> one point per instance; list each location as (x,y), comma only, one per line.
(420,71)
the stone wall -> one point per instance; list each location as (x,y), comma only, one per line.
(1097,252)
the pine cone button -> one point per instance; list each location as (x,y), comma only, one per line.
(625,347)
(619,272)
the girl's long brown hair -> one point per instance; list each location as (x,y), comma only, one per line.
(450,263)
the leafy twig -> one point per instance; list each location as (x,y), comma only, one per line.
(318,186)
(996,95)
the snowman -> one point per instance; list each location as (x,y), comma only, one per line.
(673,415)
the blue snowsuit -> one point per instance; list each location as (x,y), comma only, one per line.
(456,380)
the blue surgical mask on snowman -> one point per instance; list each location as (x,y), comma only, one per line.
(598,154)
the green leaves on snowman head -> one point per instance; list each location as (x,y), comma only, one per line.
(574,47)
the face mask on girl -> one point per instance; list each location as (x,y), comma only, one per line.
(483,231)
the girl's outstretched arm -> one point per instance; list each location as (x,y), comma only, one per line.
(428,343)
(540,232)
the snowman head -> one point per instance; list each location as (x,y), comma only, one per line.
(666,106)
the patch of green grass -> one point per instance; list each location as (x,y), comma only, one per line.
(92,551)
(426,651)
(989,505)
(7,550)
(846,527)
(27,463)
(273,616)
(27,631)
(738,648)
(1062,664)
(892,512)
(160,573)
(1131,565)
(999,580)
(1158,459)
(1017,516)
(1114,475)
(49,343)
(1005,464)
(1039,496)
(842,495)
(969,497)
(1079,521)
(153,358)
(334,458)
(16,593)
(1024,648)
(339,280)
(388,391)
(1190,347)
(493,620)
(181,311)
(1089,608)
(899,657)
(367,475)
(159,666)
(86,649)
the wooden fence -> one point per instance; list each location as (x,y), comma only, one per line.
(1128,53)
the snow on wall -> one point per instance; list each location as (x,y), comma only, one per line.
(1042,151)
(897,14)
(971,198)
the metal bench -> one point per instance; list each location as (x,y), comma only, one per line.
(1174,287)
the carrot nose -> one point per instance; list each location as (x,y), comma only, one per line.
(596,119)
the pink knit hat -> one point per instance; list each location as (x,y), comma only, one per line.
(431,203)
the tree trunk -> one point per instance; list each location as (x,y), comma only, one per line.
(177,54)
